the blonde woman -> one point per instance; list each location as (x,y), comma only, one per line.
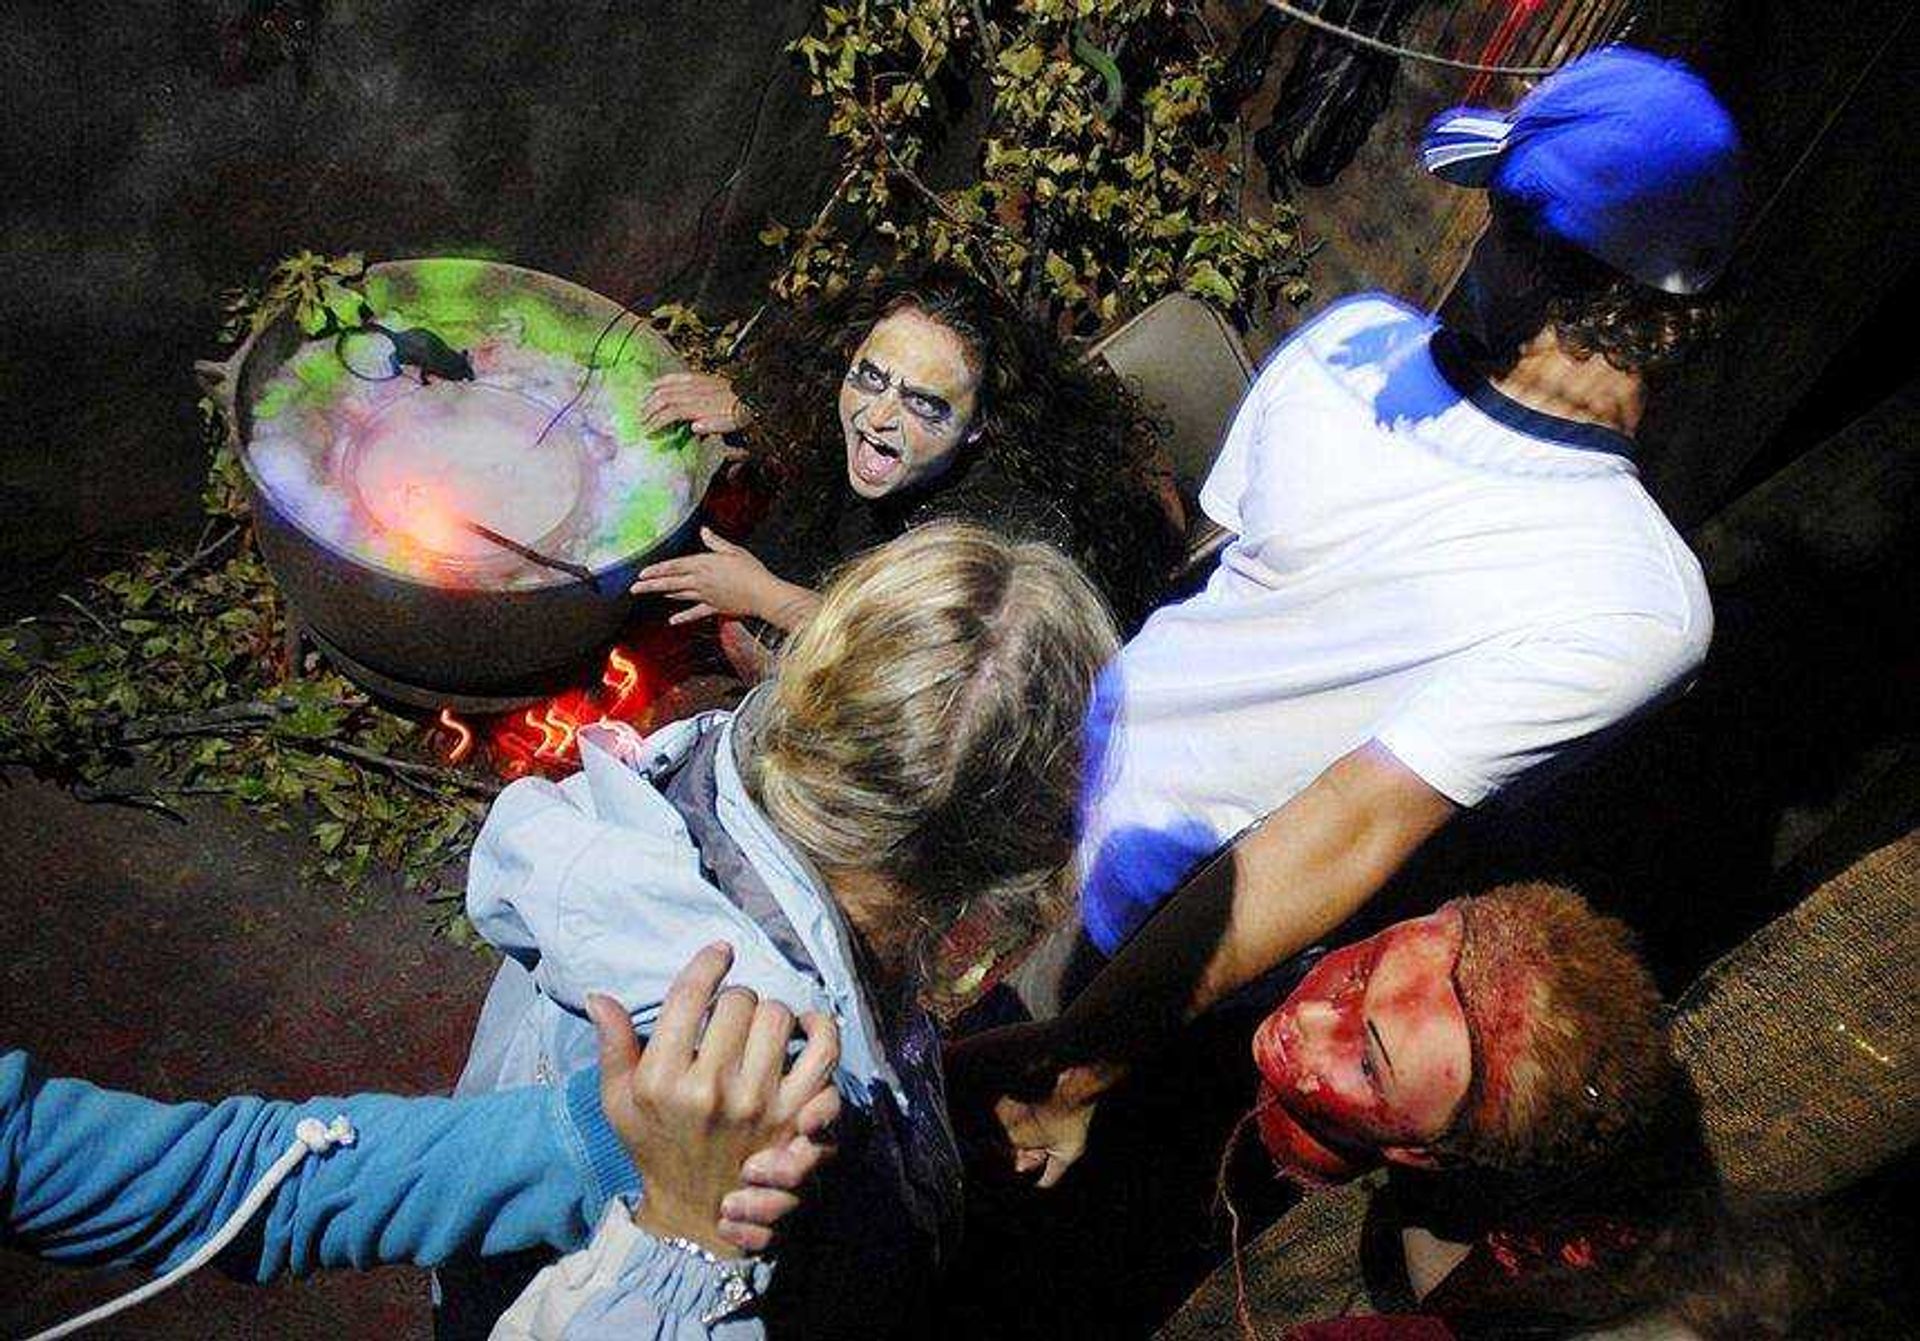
(916,754)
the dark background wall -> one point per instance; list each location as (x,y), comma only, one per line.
(1825,95)
(159,151)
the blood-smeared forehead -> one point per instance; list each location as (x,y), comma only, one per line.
(1370,1053)
(1502,983)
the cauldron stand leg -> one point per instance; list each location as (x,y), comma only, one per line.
(292,643)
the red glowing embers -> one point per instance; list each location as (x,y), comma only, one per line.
(546,737)
(557,726)
(622,676)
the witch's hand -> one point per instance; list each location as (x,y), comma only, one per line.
(726,580)
(704,402)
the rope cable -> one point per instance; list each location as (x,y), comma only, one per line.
(1406,53)
(310,1137)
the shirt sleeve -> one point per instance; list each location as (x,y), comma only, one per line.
(1226,484)
(1251,434)
(626,1285)
(100,1177)
(1500,711)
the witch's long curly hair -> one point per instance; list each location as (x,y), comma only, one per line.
(1067,433)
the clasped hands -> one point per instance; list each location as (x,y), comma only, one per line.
(724,1132)
(1012,1097)
(727,1134)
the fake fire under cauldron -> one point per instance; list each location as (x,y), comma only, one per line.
(446,629)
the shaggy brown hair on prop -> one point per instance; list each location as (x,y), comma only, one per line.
(1570,1049)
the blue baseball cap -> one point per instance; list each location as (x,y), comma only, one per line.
(1620,153)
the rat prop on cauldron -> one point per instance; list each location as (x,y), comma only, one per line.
(415,347)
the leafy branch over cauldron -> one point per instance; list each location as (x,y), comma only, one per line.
(1103,174)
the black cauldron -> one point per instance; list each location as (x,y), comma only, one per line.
(460,646)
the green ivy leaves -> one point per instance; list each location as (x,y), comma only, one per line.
(322,292)
(157,683)
(1102,180)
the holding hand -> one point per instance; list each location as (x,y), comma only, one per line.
(726,580)
(702,401)
(1012,1098)
(1048,1135)
(695,1108)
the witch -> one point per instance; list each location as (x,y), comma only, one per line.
(908,398)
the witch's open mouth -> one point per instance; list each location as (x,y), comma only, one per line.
(874,461)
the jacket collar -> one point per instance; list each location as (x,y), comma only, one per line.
(611,753)
(803,896)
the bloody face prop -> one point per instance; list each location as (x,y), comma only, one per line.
(1369,1058)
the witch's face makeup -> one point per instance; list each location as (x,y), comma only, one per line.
(907,404)
(1369,1057)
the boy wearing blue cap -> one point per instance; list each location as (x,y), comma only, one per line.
(1444,576)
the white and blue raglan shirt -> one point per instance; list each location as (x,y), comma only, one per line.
(1416,560)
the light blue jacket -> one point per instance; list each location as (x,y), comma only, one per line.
(98,1177)
(609,881)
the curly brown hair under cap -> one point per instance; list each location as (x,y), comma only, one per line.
(1595,310)
(1067,433)
(1593,1061)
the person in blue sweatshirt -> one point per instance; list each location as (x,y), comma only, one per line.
(90,1176)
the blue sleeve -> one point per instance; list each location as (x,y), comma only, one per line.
(94,1176)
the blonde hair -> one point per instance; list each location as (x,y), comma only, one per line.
(925,724)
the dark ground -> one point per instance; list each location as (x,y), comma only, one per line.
(190,961)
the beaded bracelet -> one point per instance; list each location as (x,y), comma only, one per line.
(738,1290)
